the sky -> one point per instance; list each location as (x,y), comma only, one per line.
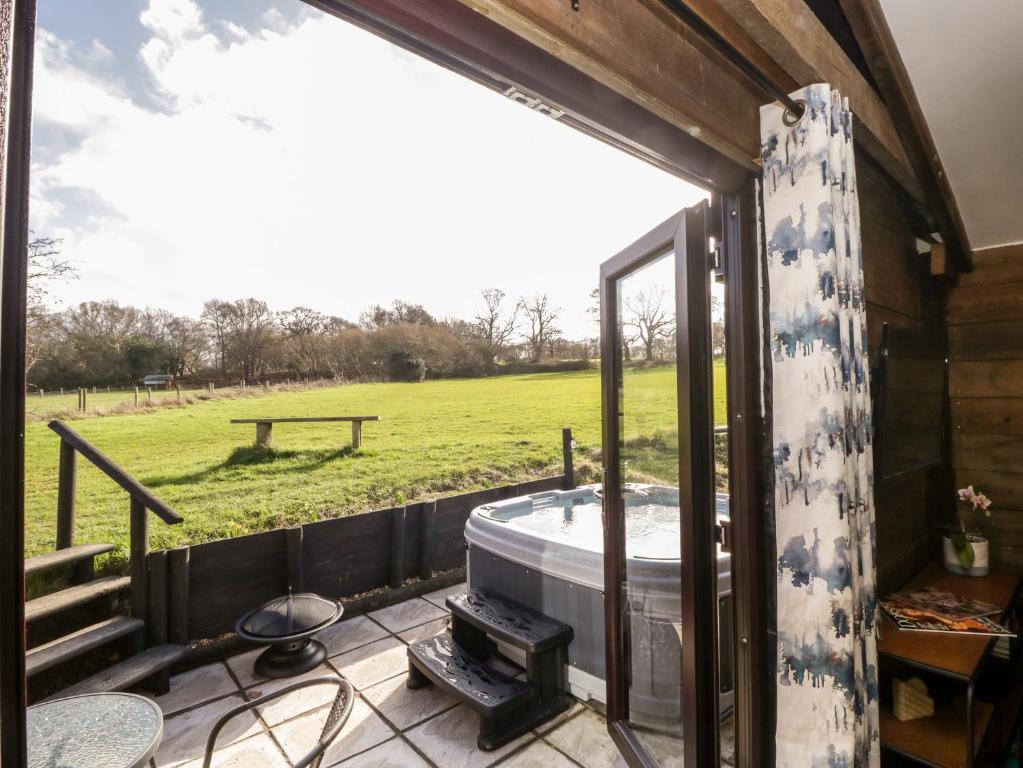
(190,150)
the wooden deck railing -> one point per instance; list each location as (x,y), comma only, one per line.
(141,499)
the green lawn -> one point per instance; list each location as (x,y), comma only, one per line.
(434,438)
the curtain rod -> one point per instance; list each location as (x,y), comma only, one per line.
(730,52)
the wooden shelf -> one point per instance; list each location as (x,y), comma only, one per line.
(939,739)
(953,654)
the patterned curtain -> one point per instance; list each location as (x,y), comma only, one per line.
(815,376)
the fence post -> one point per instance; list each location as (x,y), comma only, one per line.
(159,683)
(567,449)
(67,478)
(398,515)
(139,550)
(296,567)
(149,394)
(177,391)
(157,625)
(136,397)
(42,392)
(180,560)
(426,540)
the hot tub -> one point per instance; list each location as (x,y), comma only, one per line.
(545,551)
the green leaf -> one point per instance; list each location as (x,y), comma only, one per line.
(963,548)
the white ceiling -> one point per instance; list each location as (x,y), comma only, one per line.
(965,59)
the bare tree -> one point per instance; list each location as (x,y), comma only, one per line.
(250,335)
(216,316)
(494,325)
(304,331)
(717,326)
(400,312)
(649,318)
(542,316)
(45,266)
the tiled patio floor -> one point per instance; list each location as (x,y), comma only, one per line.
(390,726)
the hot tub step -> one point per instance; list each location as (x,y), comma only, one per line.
(463,676)
(507,707)
(509,622)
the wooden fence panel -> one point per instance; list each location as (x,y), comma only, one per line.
(340,558)
(232,576)
(348,555)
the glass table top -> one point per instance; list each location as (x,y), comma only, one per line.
(100,730)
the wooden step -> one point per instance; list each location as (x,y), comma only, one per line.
(69,556)
(510,622)
(129,672)
(71,597)
(78,643)
(464,677)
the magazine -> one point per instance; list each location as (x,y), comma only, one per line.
(932,610)
(923,621)
(942,603)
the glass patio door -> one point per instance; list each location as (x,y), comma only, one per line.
(659,500)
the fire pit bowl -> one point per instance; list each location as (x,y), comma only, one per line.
(288,623)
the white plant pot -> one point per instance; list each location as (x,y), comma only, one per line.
(981,557)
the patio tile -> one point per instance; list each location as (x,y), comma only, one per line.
(406,615)
(241,666)
(585,739)
(423,631)
(195,687)
(256,750)
(666,750)
(363,731)
(297,702)
(438,597)
(539,755)
(350,634)
(403,707)
(449,740)
(184,736)
(373,663)
(573,710)
(391,754)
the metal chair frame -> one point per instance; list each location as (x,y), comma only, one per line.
(336,718)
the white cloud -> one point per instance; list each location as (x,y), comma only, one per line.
(315,164)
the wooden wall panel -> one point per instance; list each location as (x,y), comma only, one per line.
(900,291)
(985,314)
(998,340)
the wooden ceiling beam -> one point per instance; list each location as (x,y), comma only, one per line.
(644,51)
(794,37)
(878,45)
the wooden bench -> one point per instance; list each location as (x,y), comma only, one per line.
(264,427)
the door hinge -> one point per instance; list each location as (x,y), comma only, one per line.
(723,535)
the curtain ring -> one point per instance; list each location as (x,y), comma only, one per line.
(791,119)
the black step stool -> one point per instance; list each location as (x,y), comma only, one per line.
(507,707)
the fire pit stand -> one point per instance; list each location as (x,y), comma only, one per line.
(288,623)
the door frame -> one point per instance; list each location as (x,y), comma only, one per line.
(686,236)
(454,36)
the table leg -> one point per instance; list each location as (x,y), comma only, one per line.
(264,433)
(969,725)
(356,435)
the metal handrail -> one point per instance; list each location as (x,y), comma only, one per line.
(116,473)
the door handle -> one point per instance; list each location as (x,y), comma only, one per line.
(723,535)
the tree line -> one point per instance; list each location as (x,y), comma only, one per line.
(104,343)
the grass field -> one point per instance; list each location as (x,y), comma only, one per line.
(434,438)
